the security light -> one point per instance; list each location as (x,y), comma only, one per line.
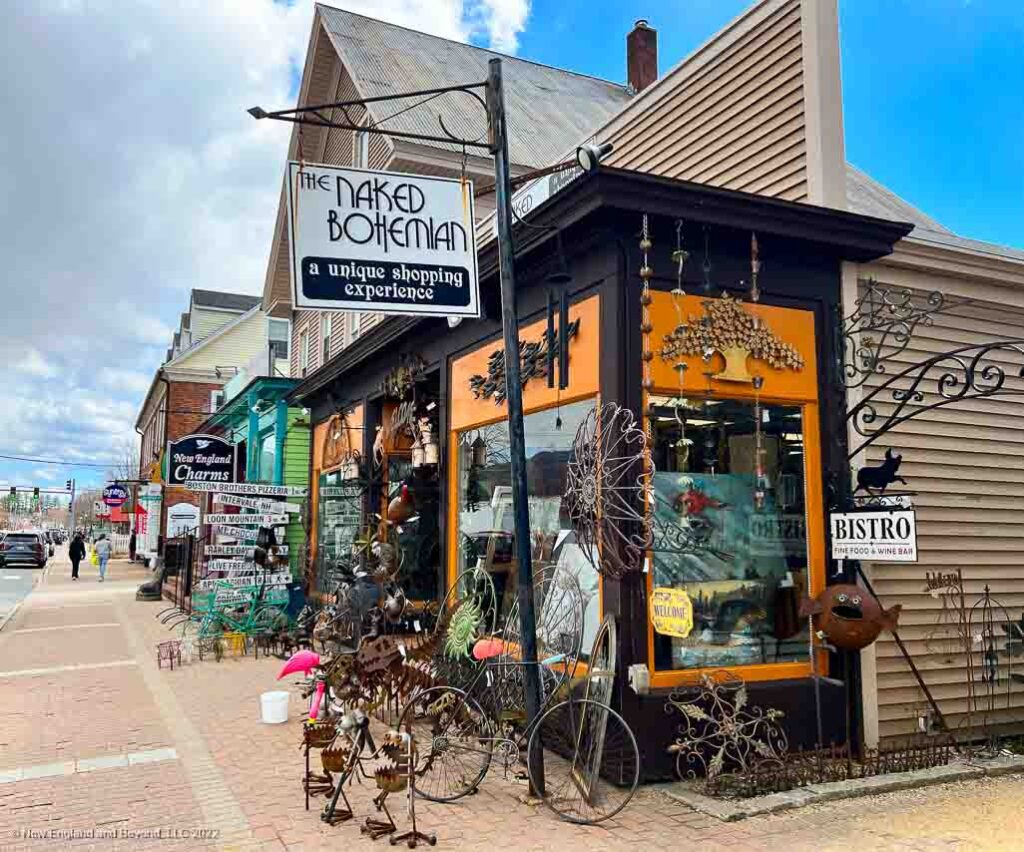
(257,112)
(589,156)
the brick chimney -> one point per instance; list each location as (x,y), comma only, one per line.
(641,56)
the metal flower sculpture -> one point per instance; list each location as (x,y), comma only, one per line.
(606,491)
(721,734)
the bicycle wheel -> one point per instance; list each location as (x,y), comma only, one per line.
(591,761)
(453,739)
(267,619)
(205,626)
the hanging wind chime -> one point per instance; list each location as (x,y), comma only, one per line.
(558,299)
(679,258)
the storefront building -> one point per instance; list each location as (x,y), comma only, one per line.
(757,108)
(445,482)
(273,448)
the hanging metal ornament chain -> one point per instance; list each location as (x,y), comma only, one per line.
(646,328)
(679,258)
(760,480)
(755,269)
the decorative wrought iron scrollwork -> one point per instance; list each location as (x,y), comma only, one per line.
(881,326)
(722,735)
(968,372)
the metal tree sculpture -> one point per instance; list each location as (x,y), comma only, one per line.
(735,333)
(721,734)
(606,491)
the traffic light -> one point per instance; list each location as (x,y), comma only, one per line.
(14,492)
(67,485)
(35,494)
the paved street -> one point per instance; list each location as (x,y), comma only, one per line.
(15,583)
(94,739)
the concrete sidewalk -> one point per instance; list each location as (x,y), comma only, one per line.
(100,748)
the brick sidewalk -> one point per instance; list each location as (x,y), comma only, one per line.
(93,737)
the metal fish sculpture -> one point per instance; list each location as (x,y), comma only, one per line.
(848,616)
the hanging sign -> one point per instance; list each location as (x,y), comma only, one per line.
(238,550)
(672,612)
(255,503)
(261,520)
(249,488)
(200,458)
(874,536)
(115,494)
(387,242)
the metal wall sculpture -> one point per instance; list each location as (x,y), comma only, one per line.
(535,358)
(606,491)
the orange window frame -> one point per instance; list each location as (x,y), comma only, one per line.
(467,413)
(798,389)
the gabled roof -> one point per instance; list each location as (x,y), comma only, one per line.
(562,107)
(223,301)
(866,195)
(214,336)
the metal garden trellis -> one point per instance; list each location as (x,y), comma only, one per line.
(493,103)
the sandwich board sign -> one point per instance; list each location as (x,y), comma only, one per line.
(887,536)
(388,242)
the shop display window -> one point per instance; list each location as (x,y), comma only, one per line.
(745,565)
(417,534)
(340,522)
(485,515)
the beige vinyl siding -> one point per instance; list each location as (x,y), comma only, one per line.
(965,464)
(235,347)
(205,321)
(734,120)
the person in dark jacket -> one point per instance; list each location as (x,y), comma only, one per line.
(77,554)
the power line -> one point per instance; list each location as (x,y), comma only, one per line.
(60,462)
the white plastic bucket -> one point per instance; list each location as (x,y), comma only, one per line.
(274,707)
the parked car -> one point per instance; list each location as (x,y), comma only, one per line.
(24,548)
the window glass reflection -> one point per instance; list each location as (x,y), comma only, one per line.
(731,532)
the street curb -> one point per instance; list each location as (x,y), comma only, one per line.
(731,810)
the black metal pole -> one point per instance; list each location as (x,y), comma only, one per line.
(514,390)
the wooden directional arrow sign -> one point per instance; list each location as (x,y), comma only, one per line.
(237,550)
(282,579)
(230,566)
(244,533)
(253,488)
(261,520)
(260,504)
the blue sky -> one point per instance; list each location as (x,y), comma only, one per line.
(152,180)
(933,90)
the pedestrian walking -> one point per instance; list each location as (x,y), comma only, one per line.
(76,553)
(103,549)
(131,547)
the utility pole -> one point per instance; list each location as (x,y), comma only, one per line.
(498,139)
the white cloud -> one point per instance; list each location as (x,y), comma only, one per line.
(45,473)
(150,180)
(34,364)
(125,380)
(503,21)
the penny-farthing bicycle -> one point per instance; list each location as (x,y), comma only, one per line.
(589,754)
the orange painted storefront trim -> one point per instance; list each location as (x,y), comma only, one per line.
(468,412)
(784,387)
